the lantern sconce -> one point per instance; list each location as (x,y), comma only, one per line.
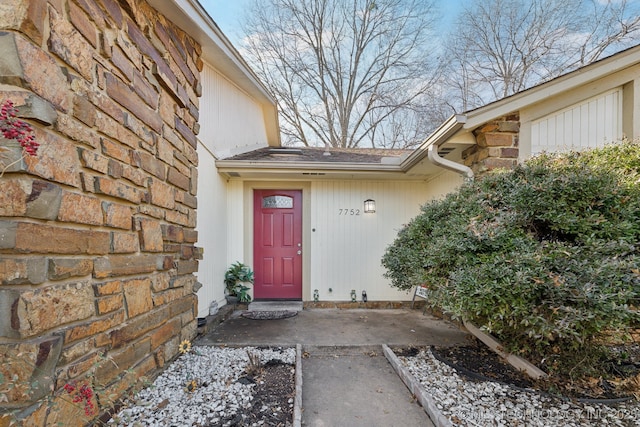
(369,206)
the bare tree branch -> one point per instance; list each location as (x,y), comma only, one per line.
(344,71)
(500,47)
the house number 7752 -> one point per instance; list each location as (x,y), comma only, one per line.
(345,212)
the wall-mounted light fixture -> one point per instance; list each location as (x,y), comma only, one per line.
(369,206)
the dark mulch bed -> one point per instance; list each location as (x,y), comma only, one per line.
(477,362)
(275,386)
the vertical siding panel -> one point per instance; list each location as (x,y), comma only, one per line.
(609,118)
(544,135)
(551,133)
(212,232)
(590,123)
(535,138)
(600,126)
(615,114)
(316,264)
(347,249)
(618,115)
(567,127)
(235,223)
(230,120)
(576,124)
(593,126)
(558,132)
(584,124)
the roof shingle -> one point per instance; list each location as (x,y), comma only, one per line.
(312,154)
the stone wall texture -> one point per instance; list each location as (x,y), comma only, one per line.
(496,145)
(97,255)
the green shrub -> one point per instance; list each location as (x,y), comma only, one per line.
(546,256)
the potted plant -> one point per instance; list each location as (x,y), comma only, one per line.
(236,280)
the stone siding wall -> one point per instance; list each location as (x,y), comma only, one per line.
(97,231)
(497,145)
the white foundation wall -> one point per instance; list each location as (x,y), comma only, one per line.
(347,245)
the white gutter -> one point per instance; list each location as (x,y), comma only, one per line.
(254,165)
(448,164)
(435,140)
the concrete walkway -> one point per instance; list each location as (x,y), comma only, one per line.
(347,381)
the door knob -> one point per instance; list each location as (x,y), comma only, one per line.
(299,252)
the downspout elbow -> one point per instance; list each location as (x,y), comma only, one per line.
(435,158)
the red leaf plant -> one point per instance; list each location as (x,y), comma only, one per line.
(14,128)
(83,393)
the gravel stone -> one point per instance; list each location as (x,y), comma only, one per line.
(487,403)
(218,399)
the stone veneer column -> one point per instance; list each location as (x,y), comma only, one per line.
(497,145)
(97,232)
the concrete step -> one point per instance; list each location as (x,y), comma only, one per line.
(275,306)
(342,350)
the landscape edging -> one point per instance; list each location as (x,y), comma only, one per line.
(516,361)
(414,386)
(297,401)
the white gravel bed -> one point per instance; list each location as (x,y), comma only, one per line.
(217,398)
(469,403)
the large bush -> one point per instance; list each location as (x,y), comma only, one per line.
(546,256)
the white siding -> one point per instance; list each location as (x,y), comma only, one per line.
(590,123)
(346,249)
(236,237)
(231,121)
(212,231)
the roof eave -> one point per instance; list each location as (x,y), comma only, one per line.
(217,50)
(566,82)
(253,165)
(445,131)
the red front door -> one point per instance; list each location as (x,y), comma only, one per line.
(277,244)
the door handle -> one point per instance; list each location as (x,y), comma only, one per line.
(299,252)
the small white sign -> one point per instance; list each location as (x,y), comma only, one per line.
(421,292)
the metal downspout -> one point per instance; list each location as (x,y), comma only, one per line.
(435,158)
(447,131)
